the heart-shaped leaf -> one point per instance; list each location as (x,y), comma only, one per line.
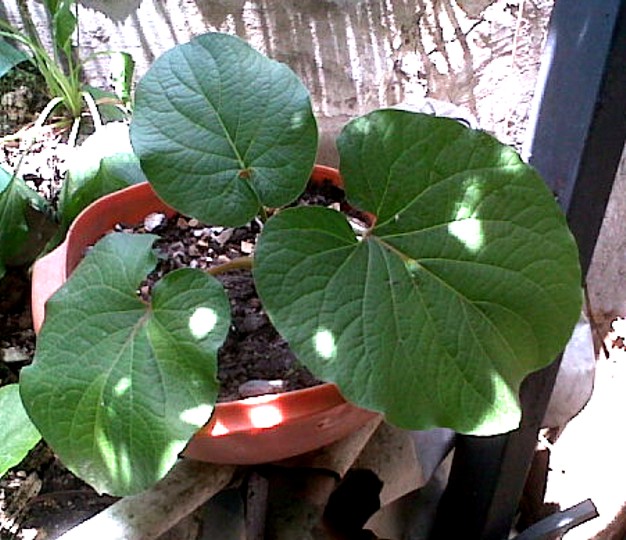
(118,387)
(17,432)
(222,130)
(468,281)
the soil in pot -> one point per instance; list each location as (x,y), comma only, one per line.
(254,359)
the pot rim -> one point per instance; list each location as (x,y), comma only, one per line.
(320,408)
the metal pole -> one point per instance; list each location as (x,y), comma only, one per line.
(577,137)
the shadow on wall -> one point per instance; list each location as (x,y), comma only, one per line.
(116,10)
(362,54)
(353,55)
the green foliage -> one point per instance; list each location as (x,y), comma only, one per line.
(136,380)
(9,57)
(104,163)
(248,149)
(61,70)
(17,432)
(467,281)
(22,213)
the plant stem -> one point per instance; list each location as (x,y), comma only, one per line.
(263,214)
(242,263)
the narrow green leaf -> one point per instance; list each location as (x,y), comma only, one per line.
(469,280)
(105,101)
(117,387)
(51,6)
(63,26)
(9,57)
(122,70)
(236,127)
(17,432)
(104,163)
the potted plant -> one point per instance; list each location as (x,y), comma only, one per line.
(466,280)
(239,432)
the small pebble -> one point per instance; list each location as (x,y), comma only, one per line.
(14,354)
(260,387)
(224,236)
(153,221)
(252,322)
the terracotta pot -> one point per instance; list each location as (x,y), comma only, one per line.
(253,430)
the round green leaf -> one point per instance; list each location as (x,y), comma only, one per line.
(222,130)
(118,387)
(468,281)
(17,432)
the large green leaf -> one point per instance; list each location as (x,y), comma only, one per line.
(23,228)
(222,130)
(9,57)
(468,281)
(17,432)
(104,163)
(118,387)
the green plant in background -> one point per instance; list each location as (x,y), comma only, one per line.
(62,70)
(23,217)
(467,281)
(30,225)
(103,163)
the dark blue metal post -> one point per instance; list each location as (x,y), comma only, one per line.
(577,137)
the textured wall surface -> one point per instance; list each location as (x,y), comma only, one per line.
(357,55)
(354,55)
(606,281)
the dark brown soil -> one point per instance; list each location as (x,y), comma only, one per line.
(254,359)
(40,494)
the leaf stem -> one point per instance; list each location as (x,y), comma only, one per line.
(263,214)
(241,263)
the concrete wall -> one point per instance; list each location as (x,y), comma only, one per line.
(357,55)
(354,55)
(606,281)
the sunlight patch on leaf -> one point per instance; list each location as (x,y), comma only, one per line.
(469,232)
(466,227)
(202,322)
(107,450)
(122,385)
(197,416)
(507,406)
(325,344)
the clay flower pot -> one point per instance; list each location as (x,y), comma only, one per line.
(253,430)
